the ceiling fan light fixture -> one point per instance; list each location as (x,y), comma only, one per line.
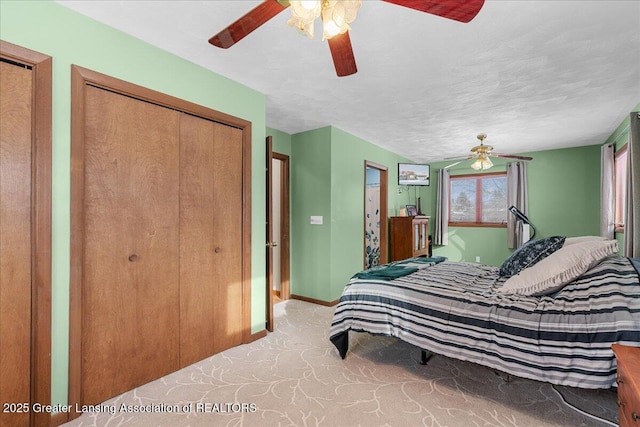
(303,28)
(482,163)
(333,20)
(306,10)
(303,14)
(336,16)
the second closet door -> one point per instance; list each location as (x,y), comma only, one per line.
(210,244)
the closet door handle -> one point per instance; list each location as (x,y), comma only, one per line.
(217,250)
(133,258)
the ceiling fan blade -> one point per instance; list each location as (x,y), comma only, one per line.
(509,156)
(459,10)
(342,54)
(247,23)
(453,164)
(468,156)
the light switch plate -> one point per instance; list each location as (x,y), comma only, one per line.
(316,220)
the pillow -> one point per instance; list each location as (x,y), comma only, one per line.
(529,254)
(563,266)
(573,240)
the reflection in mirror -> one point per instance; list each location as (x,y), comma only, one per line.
(372,218)
(375,215)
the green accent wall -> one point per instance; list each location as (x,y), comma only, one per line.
(564,191)
(71,38)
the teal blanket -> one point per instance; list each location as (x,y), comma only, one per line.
(396,269)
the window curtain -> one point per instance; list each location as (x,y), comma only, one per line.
(441,234)
(632,213)
(607,191)
(516,196)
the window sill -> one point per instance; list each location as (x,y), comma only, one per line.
(478,224)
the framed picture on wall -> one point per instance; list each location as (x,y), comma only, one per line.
(412,210)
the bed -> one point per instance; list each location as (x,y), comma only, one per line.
(558,332)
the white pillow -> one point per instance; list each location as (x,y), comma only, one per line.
(573,240)
(561,267)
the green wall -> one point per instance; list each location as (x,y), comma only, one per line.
(327,179)
(310,195)
(564,199)
(348,154)
(71,38)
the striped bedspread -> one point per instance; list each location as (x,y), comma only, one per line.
(452,309)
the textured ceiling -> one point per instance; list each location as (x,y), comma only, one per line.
(533,75)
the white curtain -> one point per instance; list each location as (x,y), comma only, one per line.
(441,234)
(632,214)
(516,196)
(607,191)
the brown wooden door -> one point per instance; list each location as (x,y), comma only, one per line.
(25,234)
(15,242)
(130,311)
(210,248)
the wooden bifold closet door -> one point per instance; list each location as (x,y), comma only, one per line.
(162,242)
(25,235)
(15,241)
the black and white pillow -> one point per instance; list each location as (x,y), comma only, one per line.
(529,254)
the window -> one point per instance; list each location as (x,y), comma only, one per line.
(478,200)
(620,170)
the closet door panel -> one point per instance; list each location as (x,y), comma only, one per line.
(227,232)
(198,291)
(15,239)
(210,244)
(130,312)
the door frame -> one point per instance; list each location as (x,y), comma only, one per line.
(80,79)
(384,219)
(269,324)
(285,263)
(41,158)
(285,227)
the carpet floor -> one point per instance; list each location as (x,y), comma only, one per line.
(294,377)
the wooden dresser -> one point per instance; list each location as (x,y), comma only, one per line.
(628,380)
(409,237)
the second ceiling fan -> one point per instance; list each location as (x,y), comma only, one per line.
(481,154)
(336,16)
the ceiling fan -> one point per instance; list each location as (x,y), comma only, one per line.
(482,154)
(336,16)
